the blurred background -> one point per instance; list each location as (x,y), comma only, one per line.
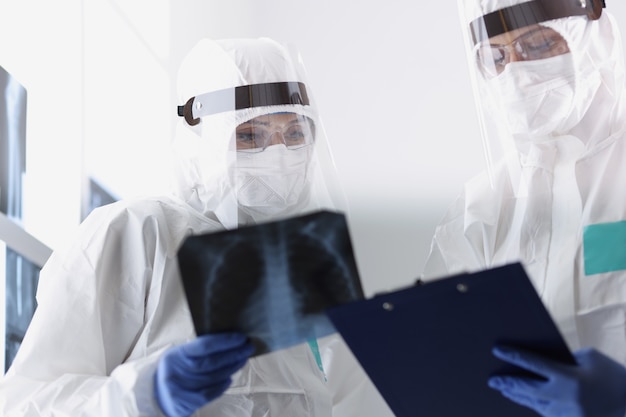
(390,79)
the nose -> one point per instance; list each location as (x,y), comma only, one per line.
(276,138)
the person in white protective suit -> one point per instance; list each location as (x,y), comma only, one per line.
(549,83)
(112,334)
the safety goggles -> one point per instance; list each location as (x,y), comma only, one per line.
(293,130)
(530,13)
(538,42)
(242,97)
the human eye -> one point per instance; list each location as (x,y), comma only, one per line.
(539,43)
(498,57)
(543,44)
(491,59)
(249,137)
(296,134)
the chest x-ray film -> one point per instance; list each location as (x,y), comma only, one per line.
(432,355)
(271,281)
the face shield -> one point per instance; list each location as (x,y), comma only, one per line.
(250,144)
(542,72)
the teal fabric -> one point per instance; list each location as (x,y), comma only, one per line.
(604,246)
(316,352)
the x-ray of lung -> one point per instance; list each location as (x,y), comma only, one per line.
(272,281)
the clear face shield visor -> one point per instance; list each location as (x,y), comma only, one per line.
(264,154)
(521,69)
(292,130)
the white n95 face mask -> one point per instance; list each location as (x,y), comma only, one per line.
(535,97)
(272,182)
(543,97)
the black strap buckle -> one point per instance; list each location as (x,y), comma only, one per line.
(185,111)
(594,9)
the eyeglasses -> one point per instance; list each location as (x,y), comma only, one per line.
(261,132)
(536,44)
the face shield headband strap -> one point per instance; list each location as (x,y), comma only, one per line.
(243,97)
(530,13)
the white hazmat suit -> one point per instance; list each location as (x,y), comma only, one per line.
(111,302)
(555,199)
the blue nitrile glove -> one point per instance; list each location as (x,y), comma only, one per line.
(595,387)
(191,375)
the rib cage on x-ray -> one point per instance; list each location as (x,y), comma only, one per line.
(272,281)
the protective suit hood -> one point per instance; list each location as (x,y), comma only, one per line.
(208,165)
(548,194)
(594,95)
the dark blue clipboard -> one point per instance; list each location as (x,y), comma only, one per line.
(427,348)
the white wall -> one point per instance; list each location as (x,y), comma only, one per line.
(40,45)
(390,78)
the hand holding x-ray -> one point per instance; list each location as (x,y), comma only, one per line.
(193,374)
